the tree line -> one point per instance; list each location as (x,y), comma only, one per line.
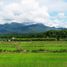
(52,34)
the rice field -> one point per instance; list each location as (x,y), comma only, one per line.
(33,45)
(9,58)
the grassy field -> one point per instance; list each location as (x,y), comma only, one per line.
(33,45)
(8,58)
(33,60)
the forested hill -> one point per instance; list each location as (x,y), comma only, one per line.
(17,31)
(52,34)
(25,28)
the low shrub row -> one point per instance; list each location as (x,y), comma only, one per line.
(32,39)
(35,51)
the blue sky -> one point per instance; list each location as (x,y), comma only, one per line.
(49,12)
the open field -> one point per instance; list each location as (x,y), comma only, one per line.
(33,60)
(33,45)
(33,54)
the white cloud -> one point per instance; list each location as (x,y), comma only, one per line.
(33,10)
(25,10)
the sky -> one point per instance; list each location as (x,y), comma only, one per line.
(52,13)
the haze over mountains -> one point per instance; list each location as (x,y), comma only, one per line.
(48,12)
(25,28)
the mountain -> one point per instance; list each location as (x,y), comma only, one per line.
(25,28)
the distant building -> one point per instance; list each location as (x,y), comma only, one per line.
(13,38)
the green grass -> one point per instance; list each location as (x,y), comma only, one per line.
(34,45)
(33,60)
(49,45)
(48,59)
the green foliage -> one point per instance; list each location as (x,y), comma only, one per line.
(49,35)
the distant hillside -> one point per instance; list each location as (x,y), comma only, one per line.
(25,28)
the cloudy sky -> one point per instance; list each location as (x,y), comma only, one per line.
(48,12)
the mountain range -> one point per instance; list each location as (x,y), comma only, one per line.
(25,28)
